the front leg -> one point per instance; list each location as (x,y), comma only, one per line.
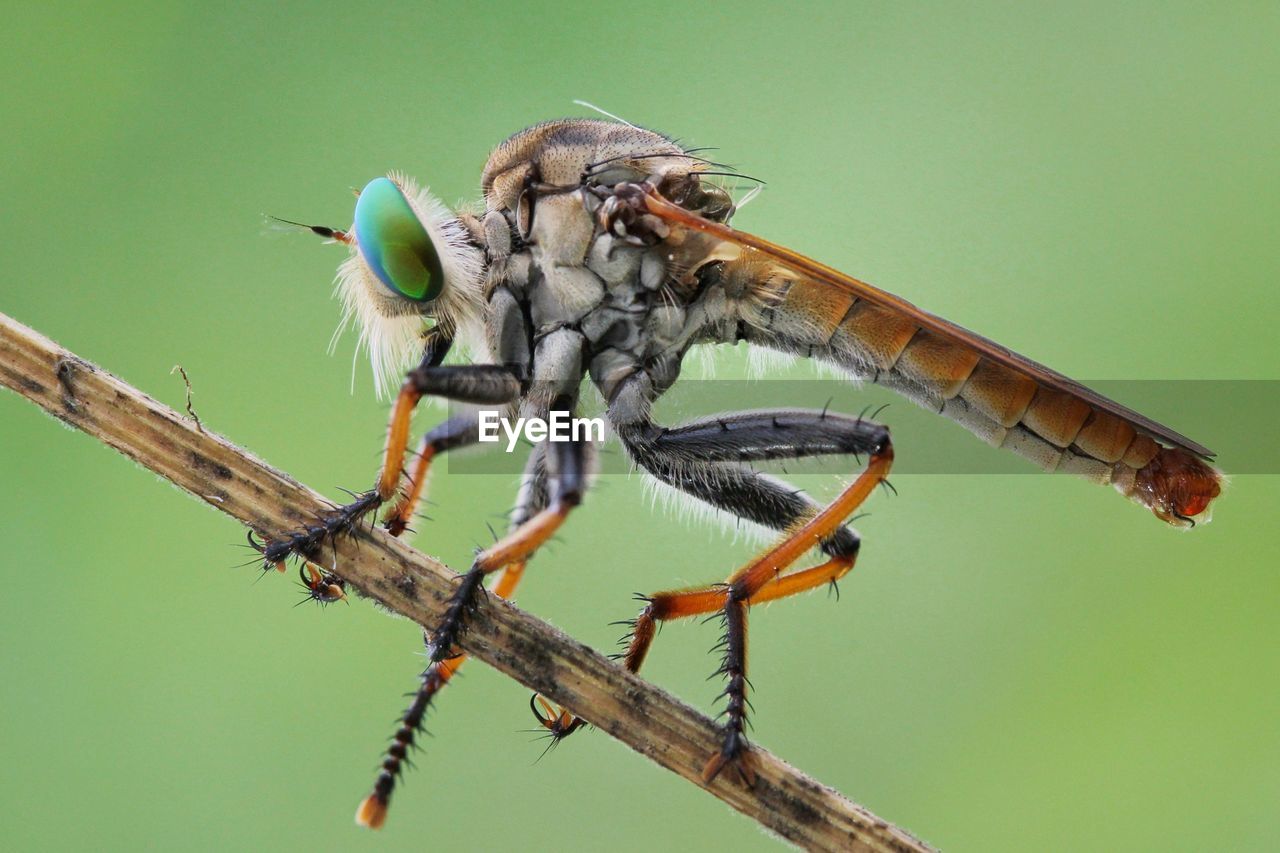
(459,431)
(474,383)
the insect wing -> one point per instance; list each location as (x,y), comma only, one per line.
(821,274)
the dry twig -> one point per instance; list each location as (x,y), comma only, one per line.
(532,652)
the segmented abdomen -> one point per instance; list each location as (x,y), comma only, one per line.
(1054,429)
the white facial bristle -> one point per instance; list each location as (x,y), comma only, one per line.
(391,327)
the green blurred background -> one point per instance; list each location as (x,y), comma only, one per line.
(1019,662)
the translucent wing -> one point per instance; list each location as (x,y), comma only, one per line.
(1011,377)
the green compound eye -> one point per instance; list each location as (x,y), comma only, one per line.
(394,243)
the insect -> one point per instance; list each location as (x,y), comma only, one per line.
(604,253)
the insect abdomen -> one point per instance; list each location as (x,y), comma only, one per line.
(1054,429)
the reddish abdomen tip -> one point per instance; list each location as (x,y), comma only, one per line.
(1177,486)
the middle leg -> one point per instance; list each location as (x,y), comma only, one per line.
(567,464)
(532,499)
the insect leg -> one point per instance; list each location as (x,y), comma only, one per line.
(753,579)
(700,458)
(567,462)
(372,811)
(473,383)
(459,431)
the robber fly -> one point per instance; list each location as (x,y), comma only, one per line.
(604,250)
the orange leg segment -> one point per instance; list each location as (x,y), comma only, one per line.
(397,520)
(763,579)
(525,539)
(372,811)
(510,555)
(754,575)
(397,440)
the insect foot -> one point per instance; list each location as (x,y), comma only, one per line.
(461,606)
(321,586)
(735,752)
(307,542)
(558,722)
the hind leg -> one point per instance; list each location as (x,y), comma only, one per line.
(702,459)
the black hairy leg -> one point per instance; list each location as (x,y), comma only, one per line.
(544,501)
(702,459)
(491,384)
(568,481)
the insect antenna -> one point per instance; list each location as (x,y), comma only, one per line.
(324,231)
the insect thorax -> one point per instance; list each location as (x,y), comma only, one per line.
(568,298)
